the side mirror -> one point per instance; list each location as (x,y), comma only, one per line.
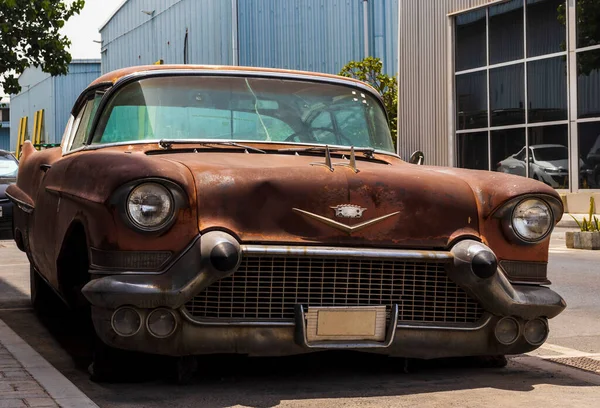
(417,158)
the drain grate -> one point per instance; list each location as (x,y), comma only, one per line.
(583,363)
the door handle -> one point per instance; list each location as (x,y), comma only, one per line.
(45,167)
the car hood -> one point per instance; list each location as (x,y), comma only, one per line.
(552,164)
(287,199)
(3,185)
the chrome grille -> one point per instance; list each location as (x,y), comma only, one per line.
(268,288)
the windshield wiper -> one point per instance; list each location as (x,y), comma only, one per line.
(367,151)
(167,144)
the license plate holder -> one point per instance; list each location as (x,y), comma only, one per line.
(359,323)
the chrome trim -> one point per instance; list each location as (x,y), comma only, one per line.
(28,208)
(485,320)
(341,252)
(219,141)
(343,227)
(165,266)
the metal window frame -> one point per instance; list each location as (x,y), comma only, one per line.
(572,135)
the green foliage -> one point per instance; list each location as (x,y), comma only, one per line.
(29,35)
(588,33)
(591,223)
(369,70)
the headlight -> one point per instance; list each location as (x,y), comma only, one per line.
(150,206)
(532,220)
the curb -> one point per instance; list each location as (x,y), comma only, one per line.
(62,391)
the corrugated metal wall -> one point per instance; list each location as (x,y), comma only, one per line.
(311,35)
(55,95)
(318,35)
(37,93)
(423,79)
(68,88)
(4,139)
(132,37)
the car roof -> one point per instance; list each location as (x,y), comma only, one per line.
(541,146)
(114,76)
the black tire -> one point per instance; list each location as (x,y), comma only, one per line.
(43,299)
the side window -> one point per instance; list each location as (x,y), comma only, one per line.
(521,155)
(83,122)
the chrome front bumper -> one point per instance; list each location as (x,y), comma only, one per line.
(193,272)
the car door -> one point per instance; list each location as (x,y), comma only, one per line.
(43,235)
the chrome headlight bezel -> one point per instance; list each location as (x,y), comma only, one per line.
(506,214)
(515,229)
(165,195)
(120,199)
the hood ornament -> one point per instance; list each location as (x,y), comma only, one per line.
(343,227)
(327,160)
(351,164)
(348,211)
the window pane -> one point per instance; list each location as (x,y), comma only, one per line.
(588,84)
(471,100)
(588,29)
(507,95)
(470,40)
(549,161)
(473,151)
(546,27)
(506,32)
(547,89)
(589,151)
(508,151)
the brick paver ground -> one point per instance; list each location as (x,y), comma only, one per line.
(18,388)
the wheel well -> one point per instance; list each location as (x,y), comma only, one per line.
(73,263)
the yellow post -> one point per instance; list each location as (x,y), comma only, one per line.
(38,126)
(21,135)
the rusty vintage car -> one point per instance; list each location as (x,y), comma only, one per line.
(202,210)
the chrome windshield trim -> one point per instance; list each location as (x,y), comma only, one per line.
(341,252)
(217,141)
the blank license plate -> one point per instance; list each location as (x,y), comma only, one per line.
(346,323)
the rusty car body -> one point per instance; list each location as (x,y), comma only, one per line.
(203,209)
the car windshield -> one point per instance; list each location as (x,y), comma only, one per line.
(551,153)
(244,109)
(8,166)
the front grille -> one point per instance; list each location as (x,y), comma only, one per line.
(268,288)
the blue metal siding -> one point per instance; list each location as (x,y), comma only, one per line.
(4,139)
(383,27)
(312,35)
(38,96)
(67,90)
(135,38)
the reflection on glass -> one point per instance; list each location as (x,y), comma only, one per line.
(549,162)
(507,95)
(470,40)
(588,83)
(472,151)
(471,100)
(508,152)
(589,151)
(506,32)
(547,89)
(546,27)
(588,29)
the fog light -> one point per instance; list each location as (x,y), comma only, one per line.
(126,321)
(161,323)
(536,332)
(507,331)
